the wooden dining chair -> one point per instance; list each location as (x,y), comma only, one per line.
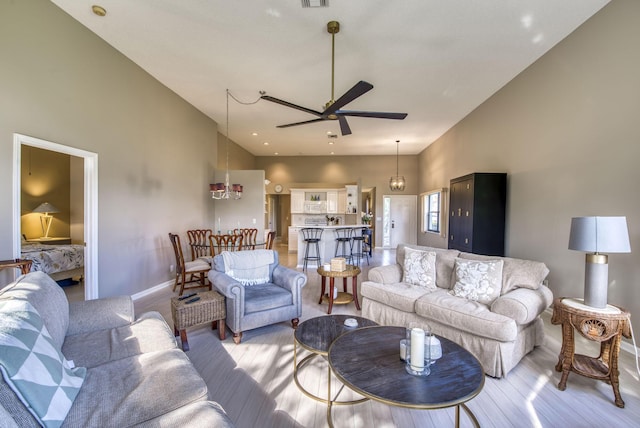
(197,268)
(271,236)
(200,243)
(220,243)
(249,237)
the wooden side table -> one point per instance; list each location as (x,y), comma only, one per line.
(23,265)
(352,272)
(600,325)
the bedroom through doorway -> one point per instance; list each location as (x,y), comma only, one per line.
(55,219)
(53,239)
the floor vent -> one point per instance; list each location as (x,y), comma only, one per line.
(315,3)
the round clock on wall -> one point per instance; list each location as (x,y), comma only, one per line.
(278,188)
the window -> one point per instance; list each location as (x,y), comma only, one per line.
(432,203)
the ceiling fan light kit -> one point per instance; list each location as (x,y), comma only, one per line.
(333,108)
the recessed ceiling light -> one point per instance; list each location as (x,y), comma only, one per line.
(331,153)
(254,133)
(99,10)
(266,143)
(329,132)
(331,143)
(276,153)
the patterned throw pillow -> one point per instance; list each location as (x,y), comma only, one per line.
(420,268)
(33,367)
(478,280)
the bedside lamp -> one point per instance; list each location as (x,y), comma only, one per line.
(598,235)
(46,219)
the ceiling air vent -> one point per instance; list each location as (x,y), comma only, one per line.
(315,3)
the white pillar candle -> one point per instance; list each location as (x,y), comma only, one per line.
(403,349)
(417,349)
(435,352)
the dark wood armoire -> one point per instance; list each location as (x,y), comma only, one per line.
(477,209)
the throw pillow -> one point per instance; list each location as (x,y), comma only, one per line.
(420,268)
(477,280)
(33,367)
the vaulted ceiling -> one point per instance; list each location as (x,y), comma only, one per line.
(433,59)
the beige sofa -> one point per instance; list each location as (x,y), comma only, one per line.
(498,333)
(134,374)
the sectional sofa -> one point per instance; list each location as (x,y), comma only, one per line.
(93,364)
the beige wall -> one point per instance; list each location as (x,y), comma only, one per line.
(239,158)
(156,153)
(45,177)
(319,171)
(566,132)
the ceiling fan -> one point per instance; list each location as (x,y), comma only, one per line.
(333,109)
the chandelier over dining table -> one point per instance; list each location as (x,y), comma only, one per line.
(226,190)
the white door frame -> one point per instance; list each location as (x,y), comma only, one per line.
(90,204)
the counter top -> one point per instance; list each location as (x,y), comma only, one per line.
(340,226)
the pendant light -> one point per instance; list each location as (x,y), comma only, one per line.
(224,190)
(397,183)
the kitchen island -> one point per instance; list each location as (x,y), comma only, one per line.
(327,243)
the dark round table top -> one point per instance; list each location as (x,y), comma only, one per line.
(367,360)
(317,334)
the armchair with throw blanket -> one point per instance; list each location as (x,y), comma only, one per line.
(258,290)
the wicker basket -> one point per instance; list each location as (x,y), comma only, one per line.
(338,264)
(210,307)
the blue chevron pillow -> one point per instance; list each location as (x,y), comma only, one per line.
(33,367)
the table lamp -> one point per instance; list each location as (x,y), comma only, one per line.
(46,218)
(598,235)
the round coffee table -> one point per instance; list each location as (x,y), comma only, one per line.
(343,298)
(316,336)
(367,360)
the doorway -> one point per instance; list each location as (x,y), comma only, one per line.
(90,179)
(399,220)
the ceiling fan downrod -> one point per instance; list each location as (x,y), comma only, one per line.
(333,27)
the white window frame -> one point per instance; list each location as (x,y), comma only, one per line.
(425,212)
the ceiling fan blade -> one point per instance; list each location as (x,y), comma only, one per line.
(344,125)
(288,104)
(300,123)
(358,89)
(376,114)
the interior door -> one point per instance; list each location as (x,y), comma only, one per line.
(399,220)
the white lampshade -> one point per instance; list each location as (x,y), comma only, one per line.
(599,235)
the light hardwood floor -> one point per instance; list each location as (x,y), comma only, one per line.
(253,380)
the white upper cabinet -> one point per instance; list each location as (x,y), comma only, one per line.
(297,201)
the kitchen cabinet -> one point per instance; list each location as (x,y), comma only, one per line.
(297,201)
(332,201)
(293,239)
(342,201)
(477,206)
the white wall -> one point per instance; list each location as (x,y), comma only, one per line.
(566,132)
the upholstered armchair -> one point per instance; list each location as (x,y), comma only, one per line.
(258,290)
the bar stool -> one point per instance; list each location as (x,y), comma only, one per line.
(311,237)
(360,242)
(343,243)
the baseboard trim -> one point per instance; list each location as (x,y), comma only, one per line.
(151,290)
